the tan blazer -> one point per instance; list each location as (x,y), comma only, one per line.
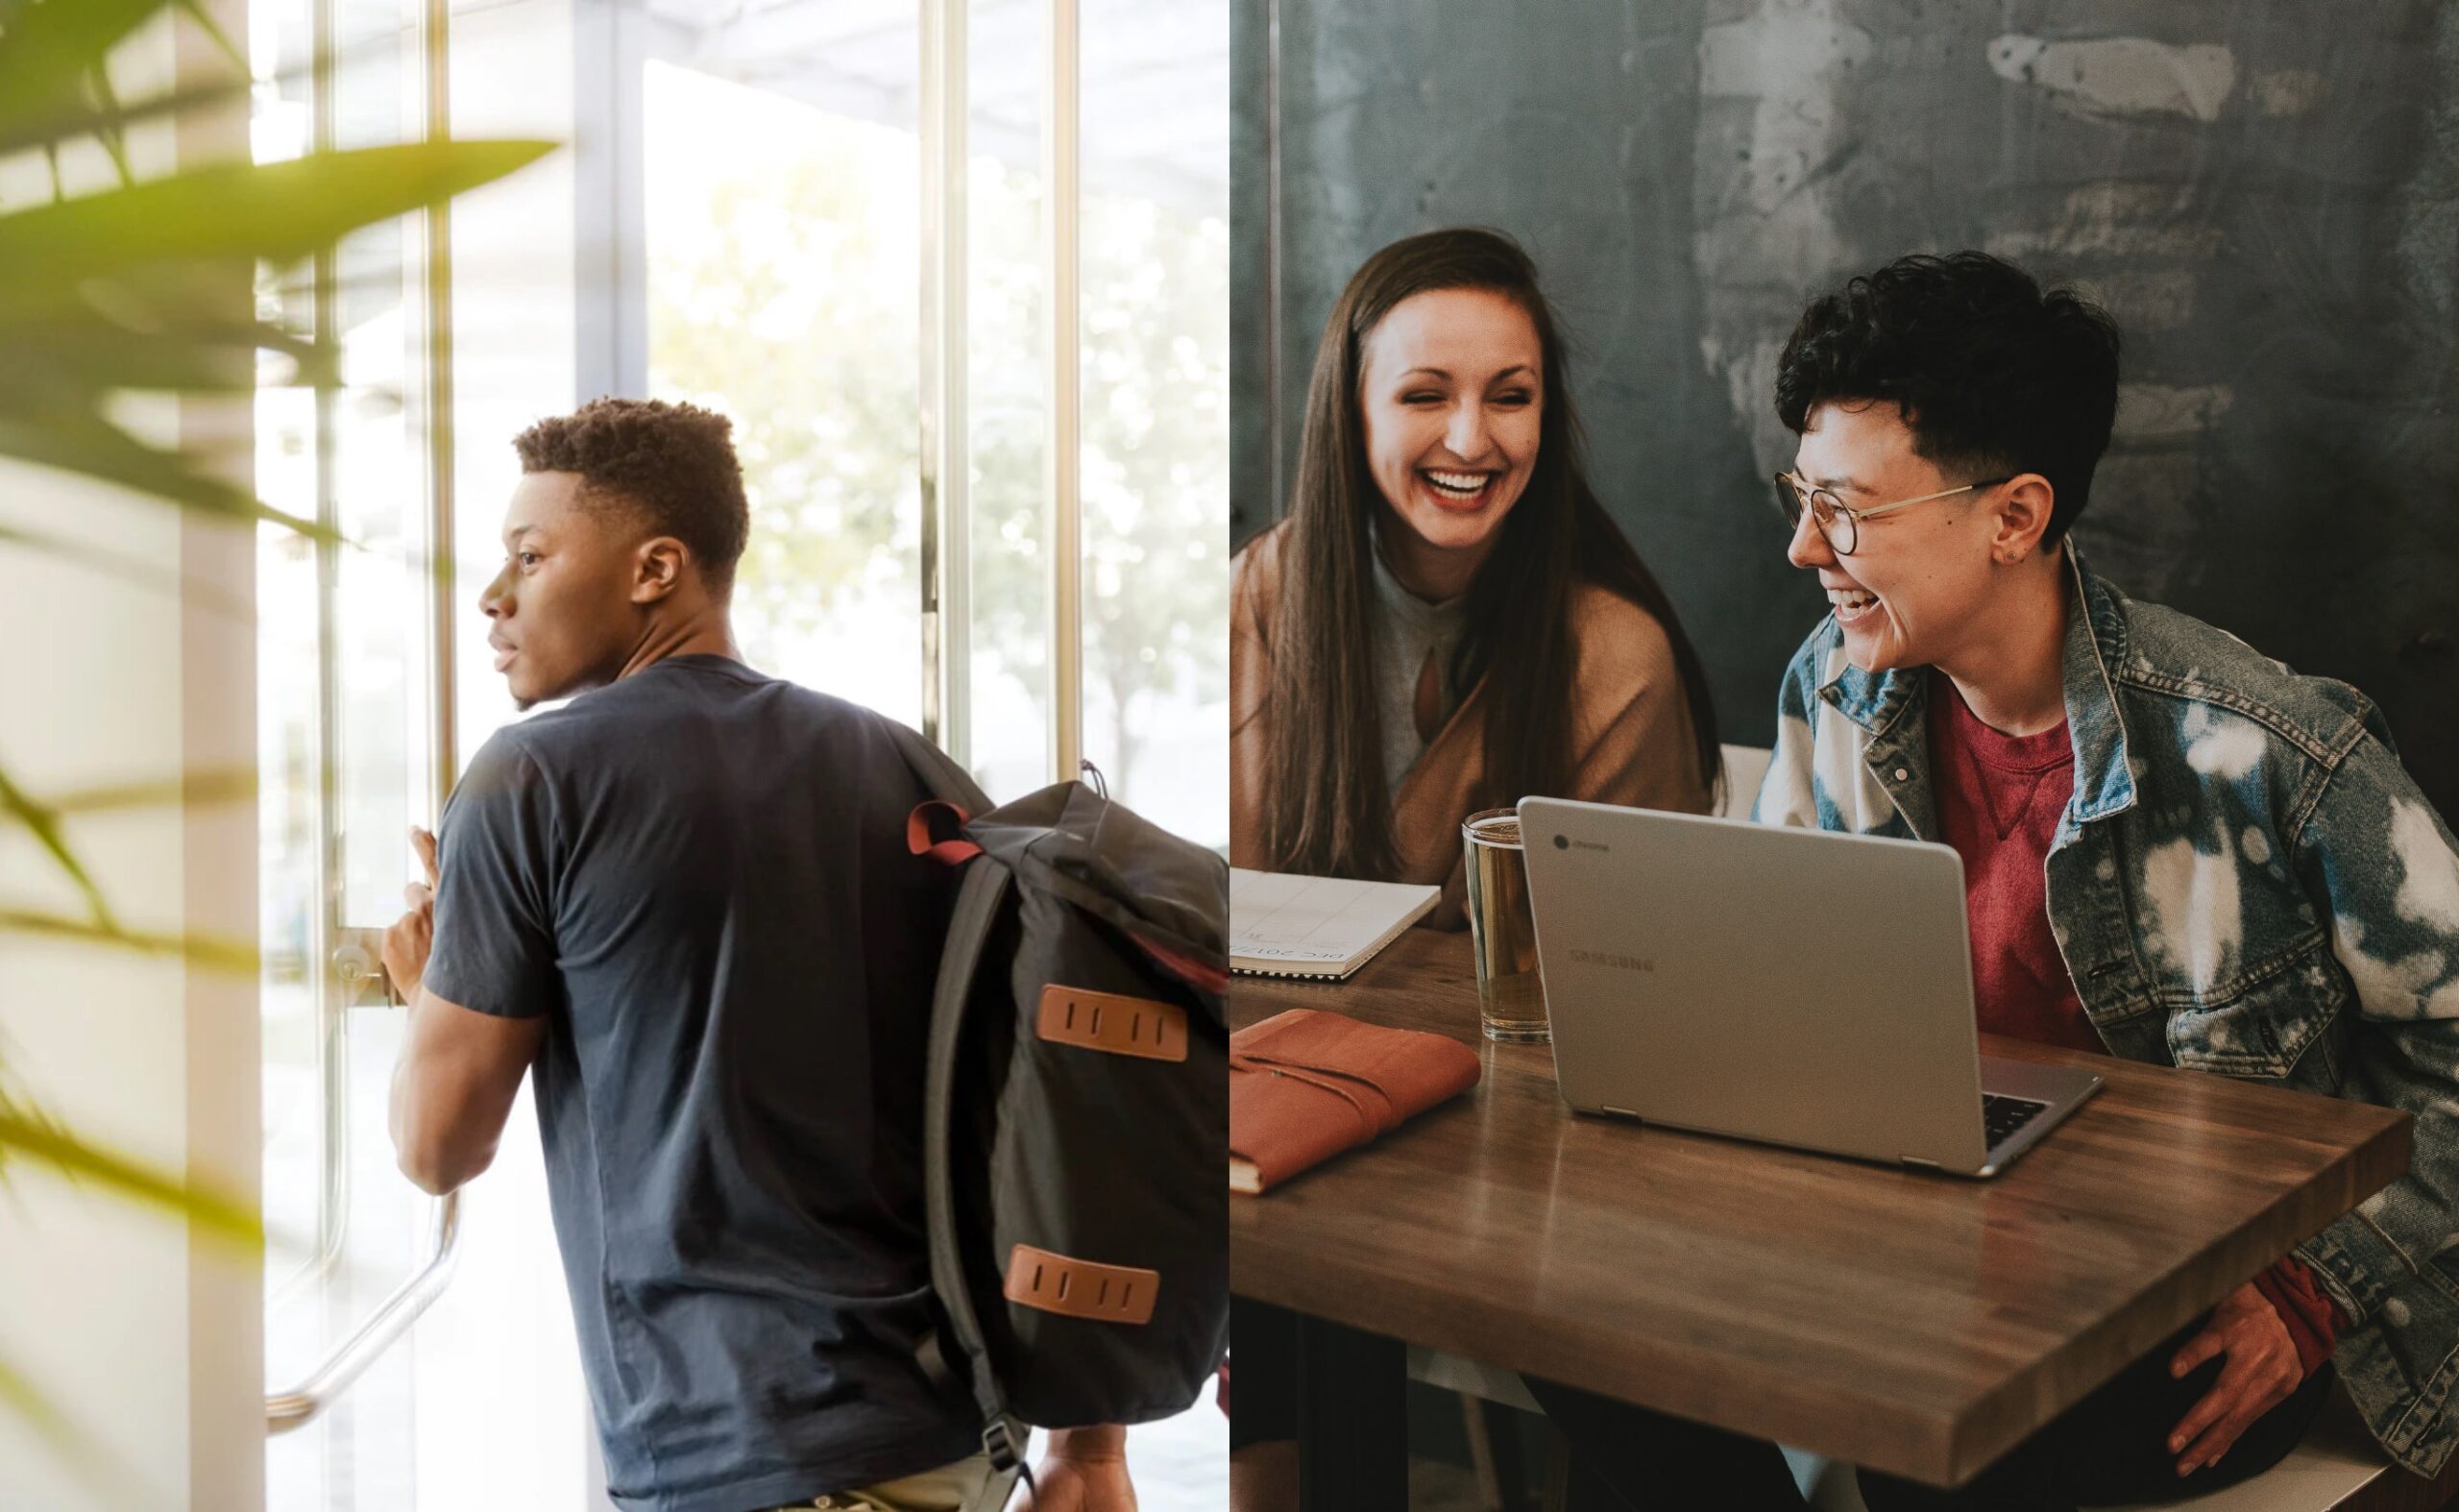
(1632,739)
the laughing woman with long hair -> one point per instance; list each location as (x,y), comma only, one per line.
(1447,621)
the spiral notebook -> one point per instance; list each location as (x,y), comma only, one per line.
(1286,926)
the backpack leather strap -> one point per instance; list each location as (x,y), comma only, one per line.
(1113,1022)
(1078,1288)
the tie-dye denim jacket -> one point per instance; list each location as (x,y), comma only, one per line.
(2246,881)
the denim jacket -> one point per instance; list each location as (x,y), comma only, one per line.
(2246,881)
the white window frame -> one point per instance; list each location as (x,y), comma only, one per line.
(614,40)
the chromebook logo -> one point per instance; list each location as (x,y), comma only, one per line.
(1602,958)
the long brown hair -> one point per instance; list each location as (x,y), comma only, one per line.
(1327,810)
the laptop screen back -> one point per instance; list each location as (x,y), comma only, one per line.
(1793,986)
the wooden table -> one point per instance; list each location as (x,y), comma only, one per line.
(1913,1323)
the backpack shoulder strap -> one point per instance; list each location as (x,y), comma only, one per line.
(979,900)
(980,897)
(939,771)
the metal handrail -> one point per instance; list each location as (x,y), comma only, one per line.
(286,1410)
(356,961)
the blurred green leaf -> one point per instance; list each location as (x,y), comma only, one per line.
(229,786)
(66,361)
(168,303)
(20,1395)
(113,138)
(131,570)
(99,449)
(87,1455)
(275,211)
(24,1134)
(75,116)
(28,1136)
(197,950)
(54,46)
(45,825)
(59,359)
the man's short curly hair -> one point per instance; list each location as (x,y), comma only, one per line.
(674,463)
(1993,376)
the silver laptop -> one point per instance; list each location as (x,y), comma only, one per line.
(1792,986)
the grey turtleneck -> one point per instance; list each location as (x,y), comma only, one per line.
(1406,630)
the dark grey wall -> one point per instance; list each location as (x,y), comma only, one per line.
(2265,195)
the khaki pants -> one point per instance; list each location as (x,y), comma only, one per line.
(965,1486)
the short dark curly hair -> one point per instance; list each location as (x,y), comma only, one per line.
(674,463)
(1993,376)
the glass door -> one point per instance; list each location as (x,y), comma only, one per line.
(347,715)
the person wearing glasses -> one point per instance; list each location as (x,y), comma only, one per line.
(1447,619)
(2174,849)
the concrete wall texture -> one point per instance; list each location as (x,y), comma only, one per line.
(2265,195)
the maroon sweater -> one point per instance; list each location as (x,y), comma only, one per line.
(1998,800)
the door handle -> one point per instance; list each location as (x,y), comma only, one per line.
(358,966)
(286,1410)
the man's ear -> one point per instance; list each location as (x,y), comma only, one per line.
(2025,502)
(657,568)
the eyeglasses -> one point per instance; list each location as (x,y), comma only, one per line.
(1839,524)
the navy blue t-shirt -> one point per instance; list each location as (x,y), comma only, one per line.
(699,875)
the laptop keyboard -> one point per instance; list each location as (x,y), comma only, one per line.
(2001,1116)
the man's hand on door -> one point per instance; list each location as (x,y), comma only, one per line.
(412,935)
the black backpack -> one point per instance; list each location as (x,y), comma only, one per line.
(1077,1108)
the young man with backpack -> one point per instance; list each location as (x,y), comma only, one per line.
(686,900)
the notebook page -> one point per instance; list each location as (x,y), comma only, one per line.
(1289,920)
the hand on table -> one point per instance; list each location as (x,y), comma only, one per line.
(1083,1471)
(2262,1369)
(412,935)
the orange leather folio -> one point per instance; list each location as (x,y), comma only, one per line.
(1305,1085)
